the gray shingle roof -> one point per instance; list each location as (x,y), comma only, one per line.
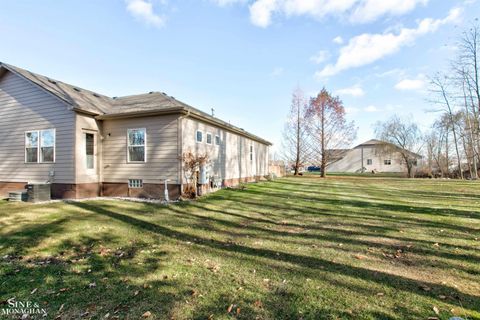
(105,107)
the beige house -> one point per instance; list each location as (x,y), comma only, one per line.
(86,144)
(371,156)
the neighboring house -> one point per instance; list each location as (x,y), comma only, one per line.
(86,144)
(373,155)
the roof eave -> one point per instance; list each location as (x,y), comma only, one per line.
(136,114)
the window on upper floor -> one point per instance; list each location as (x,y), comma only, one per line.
(217,140)
(40,146)
(251,153)
(199,136)
(136,145)
(209,138)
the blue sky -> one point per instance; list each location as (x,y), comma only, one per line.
(244,57)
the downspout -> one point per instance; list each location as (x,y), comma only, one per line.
(180,147)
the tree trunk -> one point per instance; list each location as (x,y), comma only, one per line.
(324,156)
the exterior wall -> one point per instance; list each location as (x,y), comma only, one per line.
(352,161)
(25,107)
(162,150)
(230,161)
(87,124)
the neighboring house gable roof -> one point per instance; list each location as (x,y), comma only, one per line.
(104,107)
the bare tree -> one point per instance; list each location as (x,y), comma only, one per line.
(440,87)
(295,146)
(403,136)
(328,127)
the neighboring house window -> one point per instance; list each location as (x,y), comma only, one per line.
(90,149)
(369,162)
(251,153)
(135,183)
(137,139)
(199,136)
(387,162)
(209,138)
(40,146)
(217,140)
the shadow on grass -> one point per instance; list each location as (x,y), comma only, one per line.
(396,282)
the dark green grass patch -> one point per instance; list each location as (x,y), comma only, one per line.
(295,248)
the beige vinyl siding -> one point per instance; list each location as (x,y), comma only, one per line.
(87,124)
(26,107)
(162,150)
(230,160)
(352,161)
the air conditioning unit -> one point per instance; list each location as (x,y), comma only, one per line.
(37,192)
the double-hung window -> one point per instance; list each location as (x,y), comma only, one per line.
(136,145)
(199,136)
(209,138)
(217,140)
(40,146)
(251,153)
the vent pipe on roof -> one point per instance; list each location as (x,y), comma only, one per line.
(213,112)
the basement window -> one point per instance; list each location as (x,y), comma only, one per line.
(135,183)
(369,162)
(387,162)
(136,144)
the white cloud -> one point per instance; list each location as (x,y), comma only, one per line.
(320,57)
(277,72)
(356,11)
(143,11)
(412,84)
(371,109)
(368,48)
(370,10)
(355,91)
(338,40)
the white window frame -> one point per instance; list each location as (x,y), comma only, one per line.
(39,145)
(196,136)
(217,139)
(135,183)
(144,145)
(211,138)
(94,150)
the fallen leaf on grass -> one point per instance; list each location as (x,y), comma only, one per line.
(380,294)
(435,309)
(34,290)
(229,309)
(258,304)
(146,314)
(425,288)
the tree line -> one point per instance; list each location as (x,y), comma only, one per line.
(317,127)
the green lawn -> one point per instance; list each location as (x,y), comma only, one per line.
(296,248)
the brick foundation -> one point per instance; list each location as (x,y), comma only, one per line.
(236,181)
(6,187)
(75,191)
(149,190)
